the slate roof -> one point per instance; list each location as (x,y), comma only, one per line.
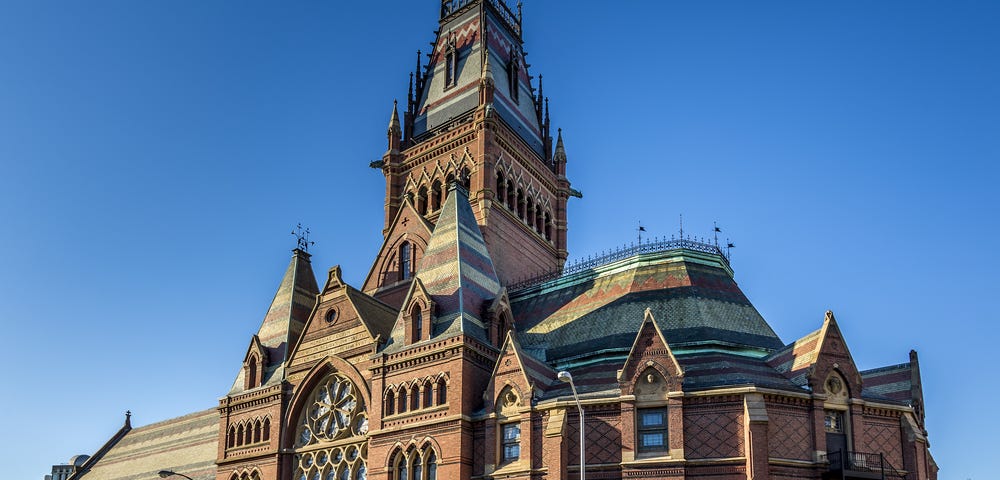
(892,382)
(457,272)
(185,445)
(378,316)
(285,318)
(692,295)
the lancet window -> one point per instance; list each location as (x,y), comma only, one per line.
(414,464)
(332,437)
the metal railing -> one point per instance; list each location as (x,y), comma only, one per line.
(513,20)
(621,253)
(862,462)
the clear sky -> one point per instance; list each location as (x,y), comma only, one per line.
(155,155)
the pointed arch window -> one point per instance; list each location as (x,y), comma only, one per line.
(405,261)
(390,403)
(442,391)
(414,464)
(513,80)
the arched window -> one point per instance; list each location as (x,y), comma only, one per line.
(405,261)
(415,397)
(548,226)
(520,204)
(416,467)
(435,196)
(428,393)
(267,429)
(431,464)
(513,80)
(539,221)
(422,200)
(252,381)
(256,431)
(390,403)
(332,435)
(511,195)
(466,178)
(401,407)
(417,318)
(442,391)
(231,437)
(501,187)
(239,435)
(529,214)
(249,434)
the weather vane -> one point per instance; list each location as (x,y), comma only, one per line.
(640,230)
(302,238)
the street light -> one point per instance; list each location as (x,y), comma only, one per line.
(168,473)
(564,376)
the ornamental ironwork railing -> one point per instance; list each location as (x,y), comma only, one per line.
(625,251)
(512,20)
(871,464)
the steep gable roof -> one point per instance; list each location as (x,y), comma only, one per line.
(535,374)
(807,361)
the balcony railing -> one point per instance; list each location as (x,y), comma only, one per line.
(621,253)
(845,464)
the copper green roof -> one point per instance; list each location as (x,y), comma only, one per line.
(596,313)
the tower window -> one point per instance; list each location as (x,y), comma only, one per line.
(652,429)
(450,67)
(512,80)
(405,261)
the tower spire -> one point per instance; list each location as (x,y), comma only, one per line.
(394,130)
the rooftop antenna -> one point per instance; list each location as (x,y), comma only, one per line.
(302,238)
(640,230)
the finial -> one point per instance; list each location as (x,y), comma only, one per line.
(682,226)
(487,70)
(409,94)
(540,96)
(128,418)
(302,238)
(640,230)
(716,230)
(418,67)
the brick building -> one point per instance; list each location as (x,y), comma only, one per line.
(445,363)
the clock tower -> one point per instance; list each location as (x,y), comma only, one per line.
(473,116)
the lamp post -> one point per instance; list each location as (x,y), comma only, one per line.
(168,473)
(564,376)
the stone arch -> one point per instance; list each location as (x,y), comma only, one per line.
(316,374)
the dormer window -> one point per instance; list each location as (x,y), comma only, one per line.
(450,67)
(512,80)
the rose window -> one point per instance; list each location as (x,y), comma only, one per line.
(331,441)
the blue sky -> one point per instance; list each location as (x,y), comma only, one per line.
(155,155)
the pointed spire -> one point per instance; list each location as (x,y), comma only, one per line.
(419,77)
(457,270)
(286,317)
(394,120)
(487,69)
(560,155)
(394,132)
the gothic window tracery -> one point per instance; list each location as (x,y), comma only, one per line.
(331,441)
